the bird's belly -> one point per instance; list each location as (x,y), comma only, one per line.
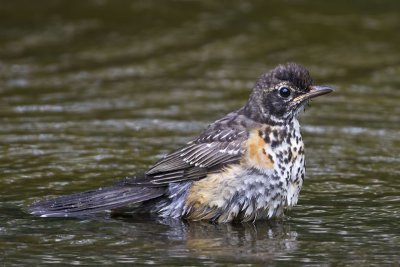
(235,194)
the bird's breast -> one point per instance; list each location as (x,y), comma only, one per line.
(258,153)
(259,186)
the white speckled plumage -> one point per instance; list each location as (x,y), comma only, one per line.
(249,192)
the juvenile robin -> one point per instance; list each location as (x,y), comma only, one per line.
(246,166)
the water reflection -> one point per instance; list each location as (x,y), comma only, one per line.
(259,242)
(140,239)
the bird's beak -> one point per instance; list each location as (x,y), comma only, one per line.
(314,92)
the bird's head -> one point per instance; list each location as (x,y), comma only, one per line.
(280,94)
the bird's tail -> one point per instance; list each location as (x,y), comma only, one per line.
(89,202)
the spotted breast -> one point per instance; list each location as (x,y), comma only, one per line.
(268,177)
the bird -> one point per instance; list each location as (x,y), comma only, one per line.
(248,165)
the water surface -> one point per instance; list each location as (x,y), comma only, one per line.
(94,91)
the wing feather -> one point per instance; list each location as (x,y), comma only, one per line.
(222,143)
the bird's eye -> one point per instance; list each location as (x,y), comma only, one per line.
(284,92)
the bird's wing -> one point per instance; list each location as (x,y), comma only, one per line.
(222,143)
(216,147)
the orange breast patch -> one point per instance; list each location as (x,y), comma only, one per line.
(257,152)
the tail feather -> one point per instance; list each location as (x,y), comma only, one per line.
(94,201)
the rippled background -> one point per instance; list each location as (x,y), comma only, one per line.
(92,91)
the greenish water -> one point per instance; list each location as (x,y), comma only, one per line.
(92,91)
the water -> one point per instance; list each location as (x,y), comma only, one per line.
(94,91)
